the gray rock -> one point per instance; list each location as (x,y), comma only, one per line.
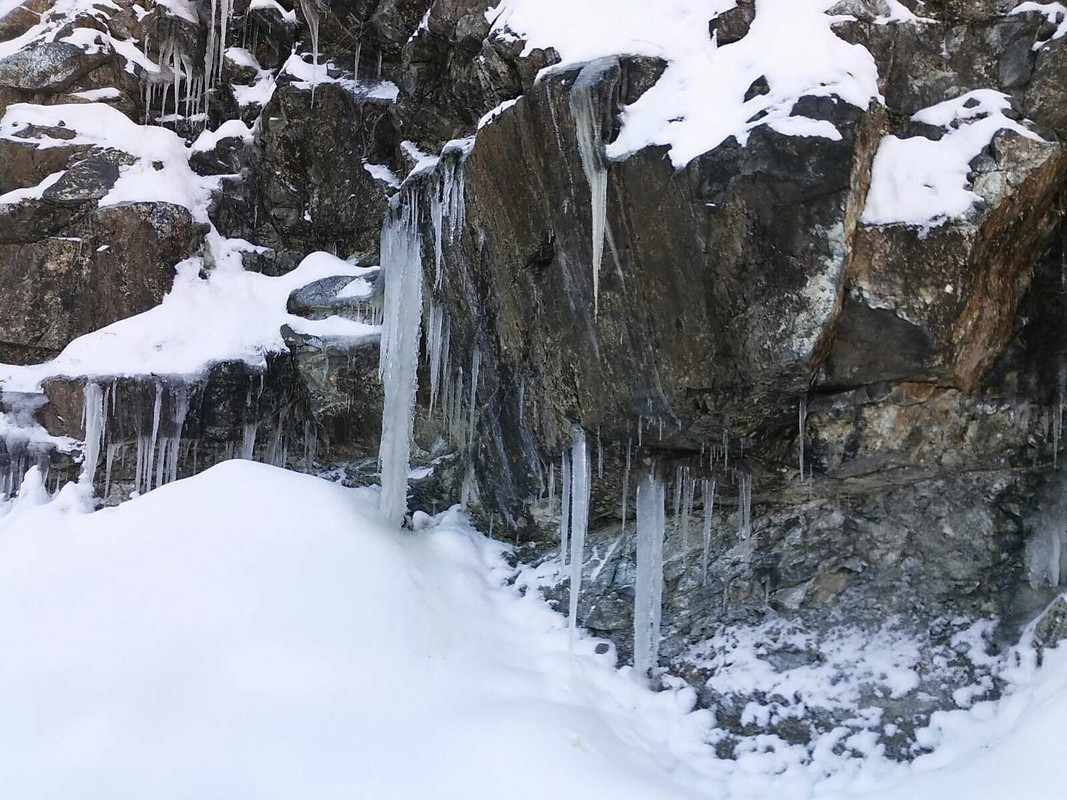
(48,67)
(89,178)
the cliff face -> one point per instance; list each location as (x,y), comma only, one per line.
(841,311)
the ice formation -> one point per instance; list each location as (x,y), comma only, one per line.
(580,480)
(398,365)
(94,423)
(565,507)
(709,510)
(648,585)
(311,14)
(590,149)
(744,505)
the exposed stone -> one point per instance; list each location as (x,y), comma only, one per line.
(118,261)
(47,67)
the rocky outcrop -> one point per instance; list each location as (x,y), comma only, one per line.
(878,405)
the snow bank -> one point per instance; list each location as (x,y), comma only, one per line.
(231,315)
(699,102)
(206,641)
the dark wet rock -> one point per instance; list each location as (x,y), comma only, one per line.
(732,25)
(88,178)
(1044,95)
(314,188)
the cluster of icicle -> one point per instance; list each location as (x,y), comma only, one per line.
(453,390)
(179,64)
(160,449)
(18,452)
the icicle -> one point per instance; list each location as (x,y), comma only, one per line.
(802,417)
(565,508)
(552,484)
(590,149)
(311,14)
(648,584)
(522,398)
(248,440)
(94,423)
(625,487)
(744,506)
(150,445)
(580,480)
(688,490)
(109,459)
(434,345)
(401,249)
(677,516)
(599,456)
(709,509)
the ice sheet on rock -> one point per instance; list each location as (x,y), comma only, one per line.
(924,183)
(382,173)
(308,77)
(98,95)
(231,128)
(274,5)
(231,315)
(699,101)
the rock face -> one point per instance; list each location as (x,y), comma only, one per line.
(877,406)
(111,263)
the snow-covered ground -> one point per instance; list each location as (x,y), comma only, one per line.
(206,641)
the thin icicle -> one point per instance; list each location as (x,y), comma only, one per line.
(648,584)
(150,445)
(311,14)
(580,480)
(565,507)
(802,418)
(709,510)
(688,490)
(625,488)
(744,505)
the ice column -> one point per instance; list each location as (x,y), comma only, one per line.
(401,249)
(94,423)
(580,478)
(648,587)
